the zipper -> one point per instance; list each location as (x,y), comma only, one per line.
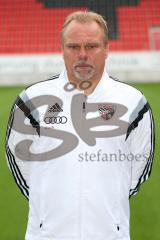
(84,103)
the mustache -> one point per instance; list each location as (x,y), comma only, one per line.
(81,63)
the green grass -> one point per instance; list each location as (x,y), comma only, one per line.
(145,207)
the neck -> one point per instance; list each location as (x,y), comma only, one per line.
(87,85)
(91,89)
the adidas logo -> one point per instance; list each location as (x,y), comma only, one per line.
(55,108)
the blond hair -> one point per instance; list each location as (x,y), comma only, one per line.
(86,17)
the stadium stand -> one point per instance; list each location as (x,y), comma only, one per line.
(134,25)
(30,26)
(106,8)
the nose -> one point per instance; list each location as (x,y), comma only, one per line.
(82,53)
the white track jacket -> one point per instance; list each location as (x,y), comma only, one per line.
(78,159)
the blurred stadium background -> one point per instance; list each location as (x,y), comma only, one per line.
(30,51)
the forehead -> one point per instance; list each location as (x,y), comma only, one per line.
(77,31)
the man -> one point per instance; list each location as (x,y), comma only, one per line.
(81,143)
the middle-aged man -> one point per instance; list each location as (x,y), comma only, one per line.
(81,143)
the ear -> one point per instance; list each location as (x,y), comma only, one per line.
(107,49)
(62,48)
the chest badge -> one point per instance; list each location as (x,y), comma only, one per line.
(106,111)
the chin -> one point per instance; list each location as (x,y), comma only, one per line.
(83,77)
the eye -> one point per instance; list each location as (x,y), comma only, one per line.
(91,46)
(73,47)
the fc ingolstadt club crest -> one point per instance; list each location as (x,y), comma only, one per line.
(106,111)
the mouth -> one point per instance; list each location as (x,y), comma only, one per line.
(83,66)
(83,70)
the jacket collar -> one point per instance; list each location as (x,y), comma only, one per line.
(102,86)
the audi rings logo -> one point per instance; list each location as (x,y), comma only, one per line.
(55,120)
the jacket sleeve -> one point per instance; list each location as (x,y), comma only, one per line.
(141,136)
(20,118)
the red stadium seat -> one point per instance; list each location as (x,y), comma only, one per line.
(28,27)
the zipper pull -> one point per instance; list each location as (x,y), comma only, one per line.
(84,106)
(41,224)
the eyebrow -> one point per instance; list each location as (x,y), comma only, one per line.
(78,44)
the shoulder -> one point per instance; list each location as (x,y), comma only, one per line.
(125,89)
(126,94)
(41,88)
(43,83)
